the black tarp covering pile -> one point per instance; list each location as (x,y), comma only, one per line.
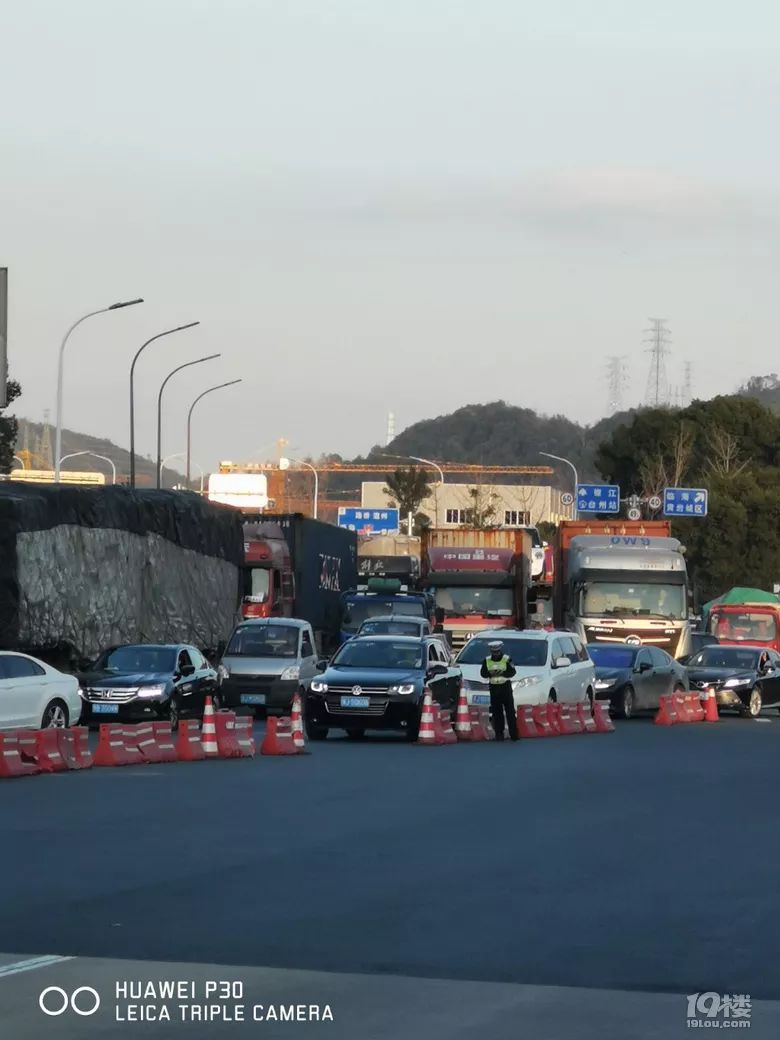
(84,568)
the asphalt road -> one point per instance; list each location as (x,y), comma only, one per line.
(580,886)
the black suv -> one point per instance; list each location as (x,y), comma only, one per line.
(139,681)
(378,682)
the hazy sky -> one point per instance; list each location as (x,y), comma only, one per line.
(372,205)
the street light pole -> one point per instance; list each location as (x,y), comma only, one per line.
(200,397)
(188,364)
(316,483)
(141,349)
(433,465)
(559,458)
(181,455)
(19,459)
(94,455)
(60,373)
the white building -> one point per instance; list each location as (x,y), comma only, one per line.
(452,505)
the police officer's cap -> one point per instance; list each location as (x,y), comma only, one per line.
(496,644)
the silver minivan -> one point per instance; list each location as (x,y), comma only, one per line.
(266,660)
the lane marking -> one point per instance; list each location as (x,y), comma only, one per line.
(32,964)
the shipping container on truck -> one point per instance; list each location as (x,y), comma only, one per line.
(622,581)
(299,567)
(480,578)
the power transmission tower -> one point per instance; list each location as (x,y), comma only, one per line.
(688,384)
(658,337)
(44,445)
(617,381)
(390,428)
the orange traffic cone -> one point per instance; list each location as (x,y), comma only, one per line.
(428,733)
(711,707)
(296,718)
(209,731)
(463,718)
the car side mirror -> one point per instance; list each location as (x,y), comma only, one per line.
(221,648)
(437,669)
(645,666)
(322,665)
(187,670)
(562,662)
(769,670)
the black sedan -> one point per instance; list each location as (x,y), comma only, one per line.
(698,641)
(138,682)
(378,682)
(633,678)
(745,678)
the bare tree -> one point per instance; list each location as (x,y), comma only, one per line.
(724,454)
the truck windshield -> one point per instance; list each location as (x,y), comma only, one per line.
(256,585)
(263,641)
(631,599)
(360,610)
(466,601)
(748,627)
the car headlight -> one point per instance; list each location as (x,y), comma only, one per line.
(152,691)
(318,686)
(605,684)
(737,682)
(223,672)
(293,672)
(406,687)
(527,680)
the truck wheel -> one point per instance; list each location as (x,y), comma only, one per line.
(315,732)
(356,733)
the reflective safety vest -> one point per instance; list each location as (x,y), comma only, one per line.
(497,669)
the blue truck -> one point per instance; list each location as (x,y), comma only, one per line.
(381,596)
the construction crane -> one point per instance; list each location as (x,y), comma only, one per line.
(351,467)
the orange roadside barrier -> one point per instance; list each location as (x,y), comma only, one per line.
(554,717)
(540,715)
(601,717)
(47,751)
(477,732)
(11,761)
(163,738)
(245,739)
(188,744)
(526,727)
(568,726)
(445,725)
(225,727)
(667,711)
(585,716)
(278,738)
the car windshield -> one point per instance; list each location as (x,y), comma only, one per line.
(390,628)
(612,656)
(360,610)
(380,653)
(525,653)
(263,641)
(153,659)
(725,657)
(469,600)
(747,626)
(632,599)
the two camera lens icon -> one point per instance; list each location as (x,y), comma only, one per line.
(55,1001)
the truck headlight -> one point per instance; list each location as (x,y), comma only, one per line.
(293,672)
(404,688)
(317,686)
(152,691)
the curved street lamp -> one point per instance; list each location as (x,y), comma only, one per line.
(301,462)
(433,465)
(181,455)
(20,460)
(188,364)
(94,455)
(60,372)
(141,349)
(200,397)
(560,458)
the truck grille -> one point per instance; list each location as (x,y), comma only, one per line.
(376,707)
(111,696)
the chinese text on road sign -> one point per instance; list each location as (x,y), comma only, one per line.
(685,502)
(598,498)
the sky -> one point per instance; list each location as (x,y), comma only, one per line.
(374,207)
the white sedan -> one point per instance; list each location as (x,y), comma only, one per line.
(33,695)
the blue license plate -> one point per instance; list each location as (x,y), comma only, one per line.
(105,709)
(355,702)
(480,698)
(253,698)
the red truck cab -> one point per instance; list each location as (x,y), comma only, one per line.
(267,582)
(754,623)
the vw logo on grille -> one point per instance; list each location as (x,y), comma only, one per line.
(357,690)
(633,640)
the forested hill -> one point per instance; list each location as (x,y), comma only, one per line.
(501,434)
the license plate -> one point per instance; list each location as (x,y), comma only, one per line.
(355,702)
(480,698)
(253,698)
(105,709)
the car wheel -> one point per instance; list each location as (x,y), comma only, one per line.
(626,702)
(589,699)
(553,698)
(315,732)
(55,716)
(754,705)
(357,733)
(216,700)
(679,688)
(174,714)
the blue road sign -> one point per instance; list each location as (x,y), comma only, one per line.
(598,498)
(369,521)
(685,502)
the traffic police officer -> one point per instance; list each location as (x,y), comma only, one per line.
(499,670)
